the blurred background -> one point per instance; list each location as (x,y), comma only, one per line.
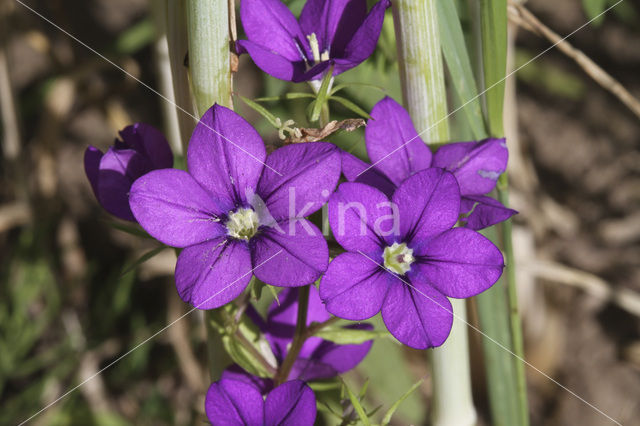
(71,304)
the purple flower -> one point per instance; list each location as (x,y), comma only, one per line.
(142,149)
(318,358)
(404,259)
(397,152)
(232,402)
(338,32)
(238,211)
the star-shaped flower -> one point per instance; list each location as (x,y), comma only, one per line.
(397,152)
(238,212)
(404,258)
(338,32)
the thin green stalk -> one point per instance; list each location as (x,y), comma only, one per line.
(209,66)
(298,338)
(424,93)
(209,56)
(497,308)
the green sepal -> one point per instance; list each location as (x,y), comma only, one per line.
(272,119)
(286,96)
(357,406)
(322,96)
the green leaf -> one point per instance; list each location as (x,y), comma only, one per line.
(286,96)
(356,405)
(349,336)
(493,24)
(343,86)
(594,8)
(139,261)
(459,66)
(350,105)
(322,95)
(260,110)
(387,417)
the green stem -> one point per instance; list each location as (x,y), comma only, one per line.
(209,55)
(298,339)
(425,97)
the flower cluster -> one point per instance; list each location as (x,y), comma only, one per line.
(404,227)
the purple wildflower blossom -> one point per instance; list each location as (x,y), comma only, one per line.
(338,32)
(406,267)
(238,211)
(143,148)
(232,402)
(476,165)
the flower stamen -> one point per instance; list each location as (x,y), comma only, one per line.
(242,224)
(398,258)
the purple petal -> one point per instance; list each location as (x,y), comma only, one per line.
(231,402)
(235,372)
(149,141)
(364,41)
(362,218)
(476,165)
(171,206)
(334,22)
(272,63)
(213,273)
(308,174)
(354,287)
(92,157)
(119,168)
(291,254)
(271,24)
(226,156)
(356,170)
(419,317)
(429,203)
(341,358)
(282,318)
(485,211)
(393,143)
(290,404)
(459,263)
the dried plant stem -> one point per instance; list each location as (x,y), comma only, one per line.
(520,15)
(425,97)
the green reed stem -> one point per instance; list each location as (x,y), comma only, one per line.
(425,97)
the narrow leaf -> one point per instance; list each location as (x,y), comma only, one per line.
(357,406)
(349,336)
(148,255)
(261,110)
(394,407)
(286,96)
(351,106)
(459,66)
(493,23)
(343,86)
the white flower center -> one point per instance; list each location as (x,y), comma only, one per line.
(315,49)
(398,258)
(242,224)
